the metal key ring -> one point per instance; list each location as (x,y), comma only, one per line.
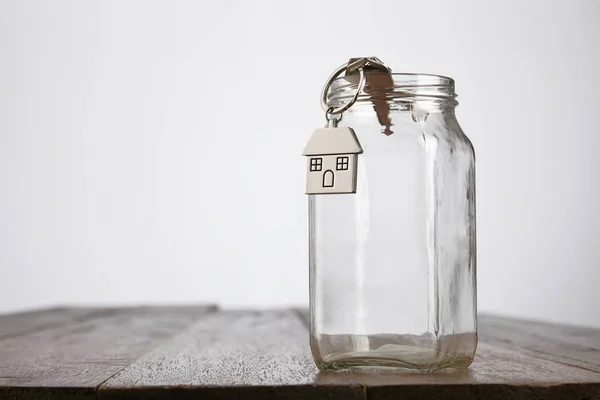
(361,85)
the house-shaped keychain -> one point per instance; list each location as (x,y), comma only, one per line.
(332,161)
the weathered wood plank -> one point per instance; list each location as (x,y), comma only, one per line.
(230,354)
(46,393)
(570,345)
(178,352)
(487,392)
(73,359)
(31,321)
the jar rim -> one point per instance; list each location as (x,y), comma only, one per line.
(395,87)
(441,78)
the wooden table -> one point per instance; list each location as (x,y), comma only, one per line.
(206,353)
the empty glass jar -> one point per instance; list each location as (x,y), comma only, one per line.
(392,267)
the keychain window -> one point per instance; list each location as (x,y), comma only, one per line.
(342,163)
(316,164)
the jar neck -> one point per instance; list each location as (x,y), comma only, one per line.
(396,92)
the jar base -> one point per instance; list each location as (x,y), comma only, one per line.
(397,352)
(456,362)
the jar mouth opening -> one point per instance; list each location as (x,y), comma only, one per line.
(396,88)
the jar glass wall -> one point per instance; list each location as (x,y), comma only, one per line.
(392,267)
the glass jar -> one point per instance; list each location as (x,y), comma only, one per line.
(392,267)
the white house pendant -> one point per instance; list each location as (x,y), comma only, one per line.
(332,161)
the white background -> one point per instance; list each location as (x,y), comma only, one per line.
(150,150)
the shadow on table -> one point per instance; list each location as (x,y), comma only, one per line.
(384,378)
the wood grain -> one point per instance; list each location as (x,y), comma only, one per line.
(27,322)
(570,345)
(74,358)
(231,354)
